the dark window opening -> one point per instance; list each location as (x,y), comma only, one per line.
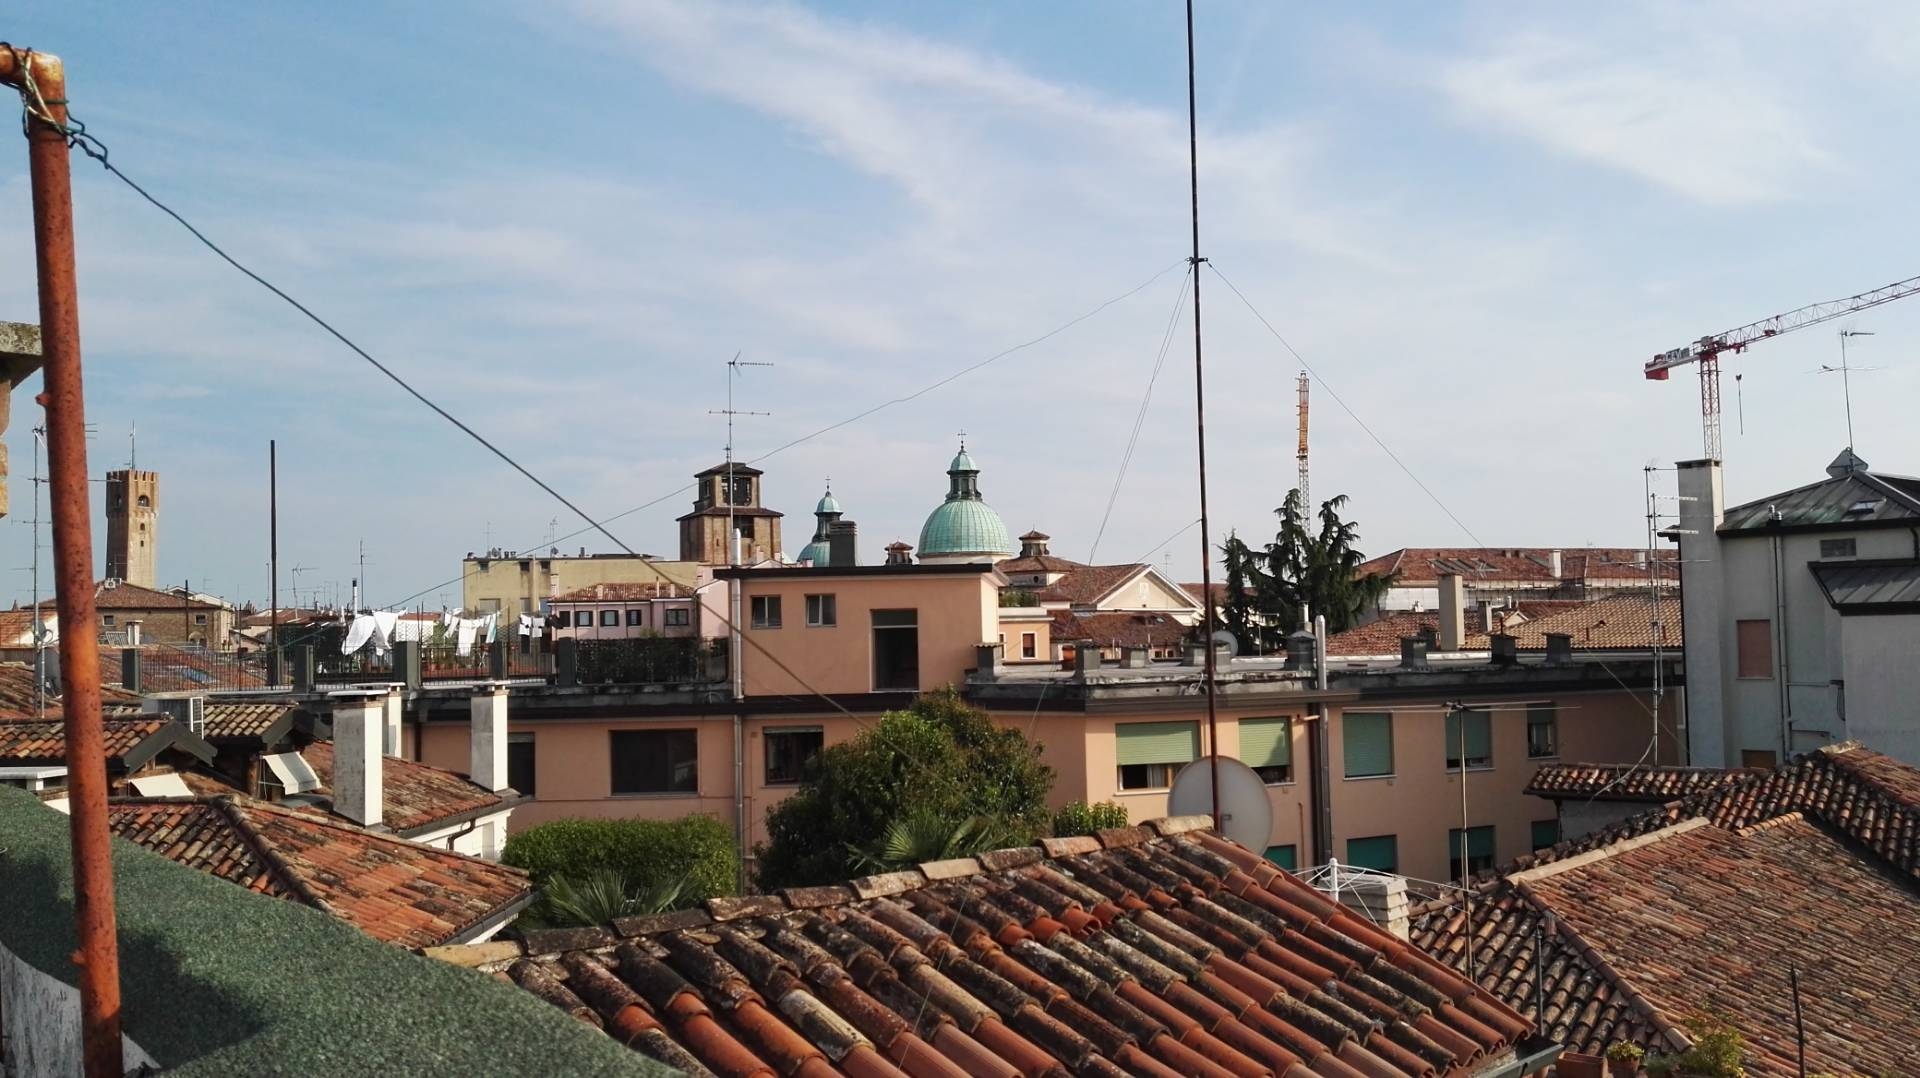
(766,611)
(675,615)
(636,616)
(1479,843)
(788,752)
(896,650)
(822,611)
(520,768)
(655,761)
(1838,548)
(1543,732)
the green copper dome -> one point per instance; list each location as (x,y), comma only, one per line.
(964,525)
(827,505)
(816,552)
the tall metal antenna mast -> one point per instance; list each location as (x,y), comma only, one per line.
(1200,433)
(133,447)
(733,371)
(1846,387)
(1300,454)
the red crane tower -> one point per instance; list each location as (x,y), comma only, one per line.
(1707,350)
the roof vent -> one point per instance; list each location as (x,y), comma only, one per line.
(1559,649)
(292,771)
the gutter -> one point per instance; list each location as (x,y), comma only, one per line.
(493,922)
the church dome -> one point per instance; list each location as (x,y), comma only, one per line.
(964,528)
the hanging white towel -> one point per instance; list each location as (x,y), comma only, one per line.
(358,634)
(466,630)
(383,623)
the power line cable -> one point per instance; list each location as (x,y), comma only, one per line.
(1140,417)
(1337,399)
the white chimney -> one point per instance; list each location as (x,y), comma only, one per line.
(1376,896)
(1453,612)
(133,633)
(357,775)
(394,706)
(488,737)
(1554,563)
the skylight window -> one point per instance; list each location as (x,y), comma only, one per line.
(1865,505)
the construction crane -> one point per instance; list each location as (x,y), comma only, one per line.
(1300,455)
(1707,350)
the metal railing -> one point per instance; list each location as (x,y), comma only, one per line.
(172,668)
(661,660)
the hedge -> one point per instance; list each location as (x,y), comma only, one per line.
(1080,818)
(697,849)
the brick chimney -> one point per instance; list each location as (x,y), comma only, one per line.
(487,739)
(1453,611)
(358,730)
(842,537)
(392,710)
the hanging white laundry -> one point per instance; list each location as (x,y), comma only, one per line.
(358,634)
(413,629)
(493,627)
(466,630)
(383,623)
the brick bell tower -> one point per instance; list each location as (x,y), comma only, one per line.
(133,513)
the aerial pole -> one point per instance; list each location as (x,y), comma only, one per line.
(1300,454)
(43,90)
(273,559)
(1200,434)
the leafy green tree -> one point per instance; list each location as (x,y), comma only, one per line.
(938,758)
(1301,569)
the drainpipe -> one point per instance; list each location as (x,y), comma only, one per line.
(1782,669)
(1318,749)
(44,83)
(735,669)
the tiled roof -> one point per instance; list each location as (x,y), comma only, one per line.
(17,625)
(1419,566)
(613,593)
(129,742)
(1088,584)
(1040,563)
(1617,621)
(1625,782)
(1121,630)
(1158,950)
(417,796)
(241,721)
(18,697)
(1593,996)
(125,596)
(391,889)
(1382,637)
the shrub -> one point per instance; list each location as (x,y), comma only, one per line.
(595,897)
(1080,818)
(697,853)
(1717,1050)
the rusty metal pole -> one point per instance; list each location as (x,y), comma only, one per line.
(41,78)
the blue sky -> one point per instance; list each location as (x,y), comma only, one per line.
(1476,221)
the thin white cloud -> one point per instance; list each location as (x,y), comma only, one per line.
(1697,121)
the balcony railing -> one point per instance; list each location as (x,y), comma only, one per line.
(658,660)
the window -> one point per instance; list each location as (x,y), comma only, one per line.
(636,615)
(766,611)
(1837,548)
(1266,745)
(1546,833)
(822,611)
(199,619)
(896,650)
(145,502)
(788,751)
(655,761)
(1148,753)
(1379,852)
(609,618)
(1479,850)
(1543,731)
(1761,758)
(1282,856)
(1755,643)
(742,490)
(1029,645)
(563,619)
(520,763)
(107,620)
(1366,740)
(675,616)
(1479,738)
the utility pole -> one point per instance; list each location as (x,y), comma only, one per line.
(273,559)
(735,671)
(42,83)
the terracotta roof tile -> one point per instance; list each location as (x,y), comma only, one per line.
(1788,900)
(417,796)
(1631,620)
(1142,954)
(1119,629)
(393,890)
(1625,782)
(1087,584)
(624,592)
(1382,637)
(19,696)
(26,742)
(1423,566)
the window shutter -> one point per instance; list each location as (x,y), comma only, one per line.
(1156,742)
(1480,842)
(1266,742)
(1367,739)
(1282,856)
(1479,735)
(1380,853)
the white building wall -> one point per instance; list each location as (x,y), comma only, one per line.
(484,837)
(1883,711)
(1705,625)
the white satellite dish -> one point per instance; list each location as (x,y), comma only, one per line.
(1225,640)
(1246,816)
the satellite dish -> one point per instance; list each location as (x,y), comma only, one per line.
(1246,816)
(1223,639)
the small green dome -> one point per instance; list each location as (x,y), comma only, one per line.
(827,505)
(962,462)
(817,552)
(964,526)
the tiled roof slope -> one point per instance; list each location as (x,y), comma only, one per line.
(242,721)
(18,695)
(417,796)
(393,890)
(1119,629)
(1870,799)
(1159,951)
(1711,919)
(1415,566)
(129,742)
(1086,585)
(1382,637)
(1617,621)
(1625,782)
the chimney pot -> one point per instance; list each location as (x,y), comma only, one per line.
(1378,898)
(1504,650)
(842,543)
(1300,650)
(986,659)
(358,779)
(487,739)
(1413,653)
(1559,649)
(1453,612)
(1555,563)
(1086,656)
(1136,658)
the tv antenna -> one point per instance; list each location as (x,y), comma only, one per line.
(1844,370)
(734,366)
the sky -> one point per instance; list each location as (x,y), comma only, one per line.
(1475,222)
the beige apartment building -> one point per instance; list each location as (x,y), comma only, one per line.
(512,582)
(1365,768)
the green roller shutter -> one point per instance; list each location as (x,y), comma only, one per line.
(1546,833)
(1479,736)
(1479,842)
(1282,856)
(1366,738)
(1156,742)
(1381,852)
(1266,742)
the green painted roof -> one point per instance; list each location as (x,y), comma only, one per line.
(218,980)
(818,552)
(962,462)
(964,526)
(827,505)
